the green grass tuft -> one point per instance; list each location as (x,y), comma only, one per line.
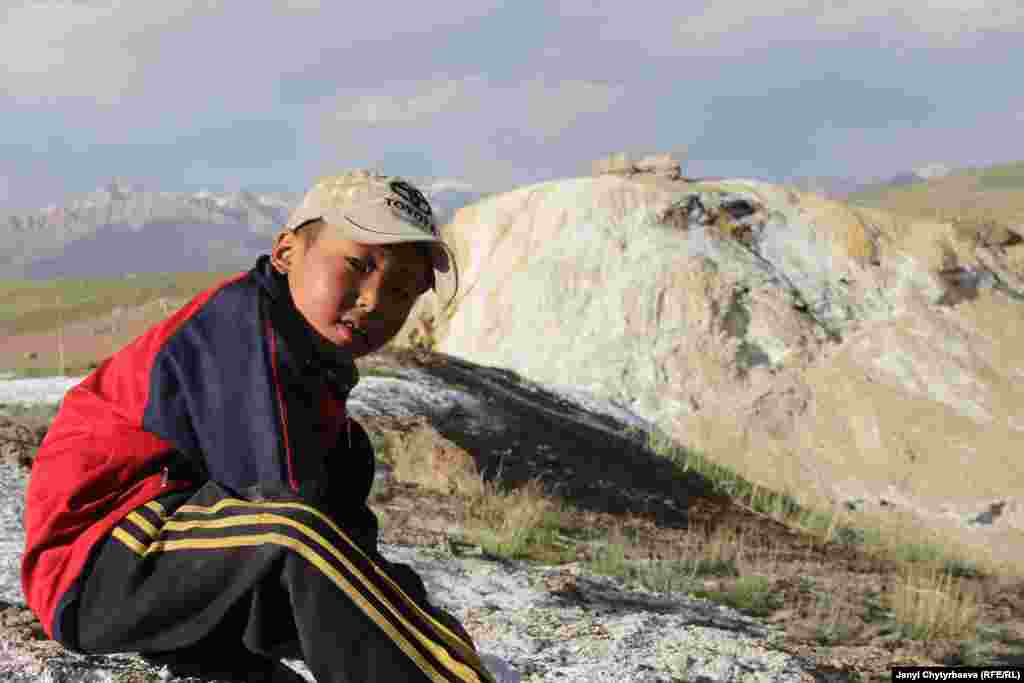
(750,594)
(918,553)
(724,481)
(958,568)
(538,544)
(611,561)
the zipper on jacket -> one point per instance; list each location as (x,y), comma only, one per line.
(164,477)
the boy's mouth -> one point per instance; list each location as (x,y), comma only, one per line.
(357,332)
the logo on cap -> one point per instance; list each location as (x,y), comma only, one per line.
(412,206)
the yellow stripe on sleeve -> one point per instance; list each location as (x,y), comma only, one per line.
(141,522)
(157,508)
(129,540)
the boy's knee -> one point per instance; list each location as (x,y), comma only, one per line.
(310,505)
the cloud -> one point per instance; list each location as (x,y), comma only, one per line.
(936,23)
(300,5)
(379,20)
(383,109)
(553,107)
(111,51)
(542,107)
(497,132)
(93,50)
(733,27)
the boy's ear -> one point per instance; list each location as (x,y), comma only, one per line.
(283,251)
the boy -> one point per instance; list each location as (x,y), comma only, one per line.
(201,497)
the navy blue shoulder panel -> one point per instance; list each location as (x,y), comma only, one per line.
(354,463)
(212,391)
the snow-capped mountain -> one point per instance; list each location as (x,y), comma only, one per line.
(933,171)
(123,227)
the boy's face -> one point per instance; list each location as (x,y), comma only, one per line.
(355,296)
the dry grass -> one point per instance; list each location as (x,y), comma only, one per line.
(424,457)
(926,610)
(519,522)
(69,326)
(727,566)
(45,305)
(515,523)
(930,604)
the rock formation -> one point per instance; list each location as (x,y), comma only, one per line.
(662,165)
(838,354)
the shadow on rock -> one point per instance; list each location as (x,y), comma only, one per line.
(519,430)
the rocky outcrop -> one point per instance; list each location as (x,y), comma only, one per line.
(663,165)
(838,354)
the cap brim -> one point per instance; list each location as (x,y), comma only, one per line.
(378,225)
(390,232)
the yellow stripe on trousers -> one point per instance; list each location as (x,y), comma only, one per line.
(269,519)
(157,508)
(143,523)
(453,640)
(129,540)
(458,668)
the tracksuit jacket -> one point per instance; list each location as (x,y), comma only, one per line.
(229,388)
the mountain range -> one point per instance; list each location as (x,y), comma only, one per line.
(990,194)
(123,227)
(842,187)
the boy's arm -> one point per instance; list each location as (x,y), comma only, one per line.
(348,506)
(350,471)
(362,526)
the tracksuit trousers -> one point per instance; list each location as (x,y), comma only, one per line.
(216,583)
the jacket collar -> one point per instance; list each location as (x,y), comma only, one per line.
(340,373)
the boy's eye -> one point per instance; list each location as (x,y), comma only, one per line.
(359,265)
(401,292)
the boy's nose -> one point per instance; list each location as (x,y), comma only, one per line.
(368,297)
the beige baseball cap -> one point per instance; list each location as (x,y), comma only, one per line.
(376,209)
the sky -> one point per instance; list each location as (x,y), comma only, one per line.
(269,94)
